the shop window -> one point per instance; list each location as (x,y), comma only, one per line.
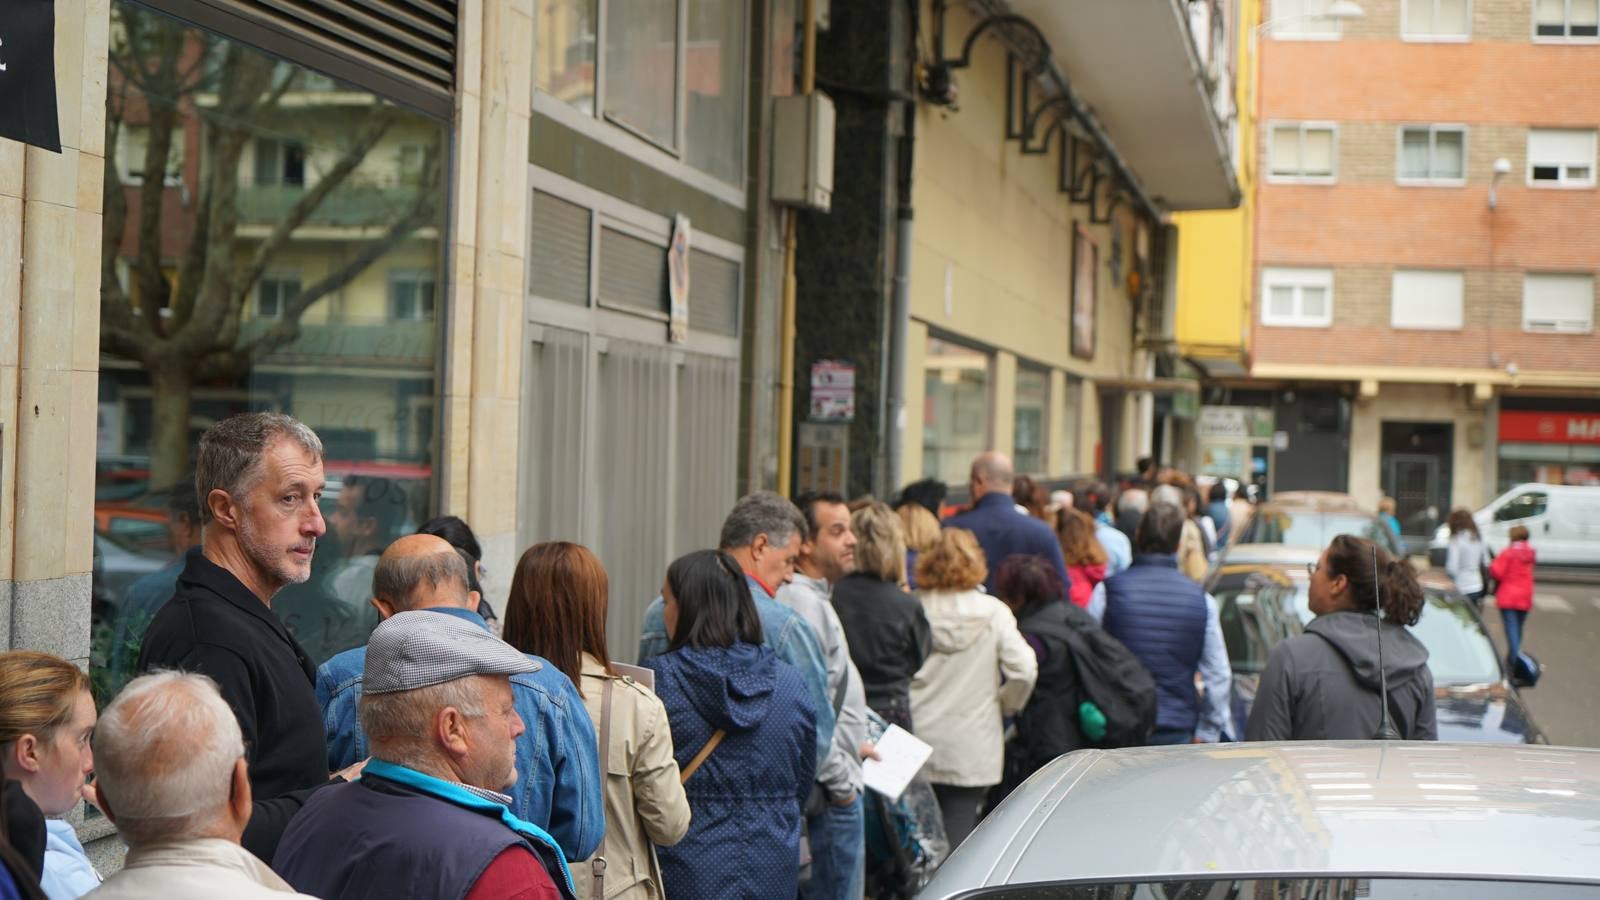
(274,265)
(1561,157)
(1523,506)
(1303,152)
(675,72)
(1436,20)
(1435,154)
(1029,421)
(1425,299)
(955,422)
(1566,19)
(1297,297)
(1557,302)
(1303,19)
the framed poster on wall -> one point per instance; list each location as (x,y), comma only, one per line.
(1085,258)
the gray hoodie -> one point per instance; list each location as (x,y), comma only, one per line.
(1323,685)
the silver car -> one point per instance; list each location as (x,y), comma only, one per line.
(1291,820)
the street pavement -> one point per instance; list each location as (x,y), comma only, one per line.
(1563,633)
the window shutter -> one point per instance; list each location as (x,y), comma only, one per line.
(1423,299)
(1557,302)
(560,250)
(1561,146)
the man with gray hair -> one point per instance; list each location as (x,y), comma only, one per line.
(1003,531)
(763,533)
(258,478)
(429,816)
(171,775)
(561,787)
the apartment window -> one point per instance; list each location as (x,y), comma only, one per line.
(280,163)
(1302,20)
(1433,154)
(1303,152)
(411,293)
(135,144)
(1427,299)
(411,159)
(1557,302)
(273,293)
(1566,19)
(1436,20)
(1561,157)
(1301,298)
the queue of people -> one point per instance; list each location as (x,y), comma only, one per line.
(451,757)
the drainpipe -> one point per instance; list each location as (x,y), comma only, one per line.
(900,315)
(808,83)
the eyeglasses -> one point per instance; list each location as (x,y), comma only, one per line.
(1311,570)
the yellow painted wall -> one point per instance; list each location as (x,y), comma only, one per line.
(1215,247)
(995,224)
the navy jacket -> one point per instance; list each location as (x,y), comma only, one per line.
(746,798)
(1003,532)
(1159,614)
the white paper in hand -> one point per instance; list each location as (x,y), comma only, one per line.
(903,757)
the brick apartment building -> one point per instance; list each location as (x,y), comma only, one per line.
(1422,326)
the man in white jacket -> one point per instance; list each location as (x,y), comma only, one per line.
(170,774)
(827,554)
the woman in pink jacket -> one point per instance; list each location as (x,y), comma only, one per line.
(1513,569)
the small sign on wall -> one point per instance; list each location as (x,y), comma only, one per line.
(824,457)
(678,280)
(833,391)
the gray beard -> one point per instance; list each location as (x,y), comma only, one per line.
(268,558)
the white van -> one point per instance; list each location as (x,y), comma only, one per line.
(1563,523)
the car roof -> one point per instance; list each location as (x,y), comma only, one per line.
(1285,555)
(1369,807)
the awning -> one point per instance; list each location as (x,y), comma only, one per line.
(1134,64)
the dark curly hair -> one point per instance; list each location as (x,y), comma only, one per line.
(1353,557)
(1026,581)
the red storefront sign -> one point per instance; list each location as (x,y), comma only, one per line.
(1521,426)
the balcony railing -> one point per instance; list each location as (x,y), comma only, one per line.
(351,206)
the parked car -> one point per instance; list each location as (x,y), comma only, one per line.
(1313,820)
(1313,524)
(1476,699)
(1254,608)
(1563,521)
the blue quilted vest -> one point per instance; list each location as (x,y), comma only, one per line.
(398,833)
(1159,614)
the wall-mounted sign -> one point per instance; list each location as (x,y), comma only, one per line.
(678,280)
(824,457)
(1526,427)
(28,73)
(833,391)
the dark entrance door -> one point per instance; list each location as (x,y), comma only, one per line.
(1416,473)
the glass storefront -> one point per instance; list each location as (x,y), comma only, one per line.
(272,241)
(1028,421)
(955,418)
(1549,446)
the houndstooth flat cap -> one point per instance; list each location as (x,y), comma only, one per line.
(419,649)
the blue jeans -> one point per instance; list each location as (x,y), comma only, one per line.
(1513,620)
(1162,737)
(838,870)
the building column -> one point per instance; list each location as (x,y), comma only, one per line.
(50,211)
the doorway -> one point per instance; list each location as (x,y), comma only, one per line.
(1416,473)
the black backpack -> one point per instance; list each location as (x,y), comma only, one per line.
(1110,677)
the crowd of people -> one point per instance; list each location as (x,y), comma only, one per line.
(441,759)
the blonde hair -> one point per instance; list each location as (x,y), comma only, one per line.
(37,694)
(954,563)
(880,543)
(1386,505)
(921,526)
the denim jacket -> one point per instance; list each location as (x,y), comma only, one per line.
(789,637)
(558,785)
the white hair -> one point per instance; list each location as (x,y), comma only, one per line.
(165,751)
(1169,493)
(399,725)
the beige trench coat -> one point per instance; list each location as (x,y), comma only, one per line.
(644,800)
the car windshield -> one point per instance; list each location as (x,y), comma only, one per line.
(1332,886)
(1458,650)
(1312,528)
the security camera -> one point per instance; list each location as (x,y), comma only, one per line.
(1502,166)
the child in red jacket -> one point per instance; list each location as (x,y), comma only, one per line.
(1513,569)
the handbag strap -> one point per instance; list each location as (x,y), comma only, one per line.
(598,865)
(694,764)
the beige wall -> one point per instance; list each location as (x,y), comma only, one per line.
(1471,483)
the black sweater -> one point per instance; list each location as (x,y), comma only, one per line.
(889,640)
(215,626)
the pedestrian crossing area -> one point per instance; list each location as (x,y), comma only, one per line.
(1561,603)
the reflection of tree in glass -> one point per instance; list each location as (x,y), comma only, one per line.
(190,272)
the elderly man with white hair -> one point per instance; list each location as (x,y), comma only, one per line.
(171,775)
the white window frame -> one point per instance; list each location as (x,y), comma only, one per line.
(1433,130)
(1432,37)
(416,276)
(1297,277)
(125,171)
(275,276)
(1532,330)
(1461,313)
(1562,182)
(1333,31)
(1566,22)
(1274,177)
